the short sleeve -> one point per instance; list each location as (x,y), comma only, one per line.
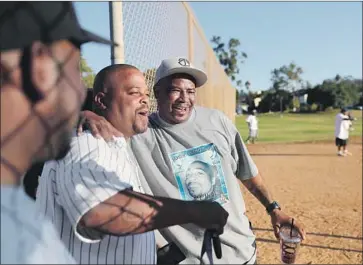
(83,182)
(246,168)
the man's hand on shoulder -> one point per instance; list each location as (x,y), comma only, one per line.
(98,125)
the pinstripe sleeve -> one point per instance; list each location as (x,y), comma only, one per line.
(84,181)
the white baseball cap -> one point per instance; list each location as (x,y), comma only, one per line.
(180,65)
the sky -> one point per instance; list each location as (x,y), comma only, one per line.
(324,38)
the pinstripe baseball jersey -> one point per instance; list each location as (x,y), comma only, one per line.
(92,172)
(26,237)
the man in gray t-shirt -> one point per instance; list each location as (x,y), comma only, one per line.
(196,160)
(196,153)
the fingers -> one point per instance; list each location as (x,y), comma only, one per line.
(301,231)
(94,130)
(299,228)
(99,126)
(277,231)
(284,220)
(104,130)
(80,123)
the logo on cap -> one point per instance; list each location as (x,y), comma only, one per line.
(183,62)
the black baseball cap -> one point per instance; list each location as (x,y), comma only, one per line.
(22,23)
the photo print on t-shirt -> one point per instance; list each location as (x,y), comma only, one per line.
(199,174)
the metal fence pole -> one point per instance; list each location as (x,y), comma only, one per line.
(117,32)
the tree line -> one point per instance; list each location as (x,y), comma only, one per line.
(287,85)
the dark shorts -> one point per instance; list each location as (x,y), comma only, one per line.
(340,142)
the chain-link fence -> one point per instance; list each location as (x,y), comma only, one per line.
(154,31)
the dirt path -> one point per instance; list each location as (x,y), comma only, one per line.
(319,188)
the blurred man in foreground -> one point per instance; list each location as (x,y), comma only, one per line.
(41,97)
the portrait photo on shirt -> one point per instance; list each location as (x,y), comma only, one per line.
(199,174)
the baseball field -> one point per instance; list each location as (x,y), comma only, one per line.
(297,158)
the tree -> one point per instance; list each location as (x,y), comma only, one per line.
(237,95)
(278,79)
(229,57)
(293,73)
(88,76)
(336,92)
(248,85)
(273,100)
(287,77)
(337,78)
(250,96)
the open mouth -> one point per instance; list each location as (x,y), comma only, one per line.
(144,113)
(180,109)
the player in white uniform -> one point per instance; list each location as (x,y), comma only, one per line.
(41,97)
(252,127)
(343,124)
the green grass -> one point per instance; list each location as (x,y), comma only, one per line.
(297,127)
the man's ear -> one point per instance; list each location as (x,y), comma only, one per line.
(100,101)
(44,70)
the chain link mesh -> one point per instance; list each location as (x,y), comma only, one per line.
(154,31)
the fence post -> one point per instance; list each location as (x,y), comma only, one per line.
(117,32)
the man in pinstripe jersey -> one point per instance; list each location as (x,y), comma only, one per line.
(94,195)
(41,97)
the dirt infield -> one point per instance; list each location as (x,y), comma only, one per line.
(320,189)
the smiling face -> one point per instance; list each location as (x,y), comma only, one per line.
(176,98)
(126,103)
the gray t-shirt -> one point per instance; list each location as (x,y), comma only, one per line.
(199,160)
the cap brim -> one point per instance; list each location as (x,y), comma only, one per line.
(88,36)
(199,76)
